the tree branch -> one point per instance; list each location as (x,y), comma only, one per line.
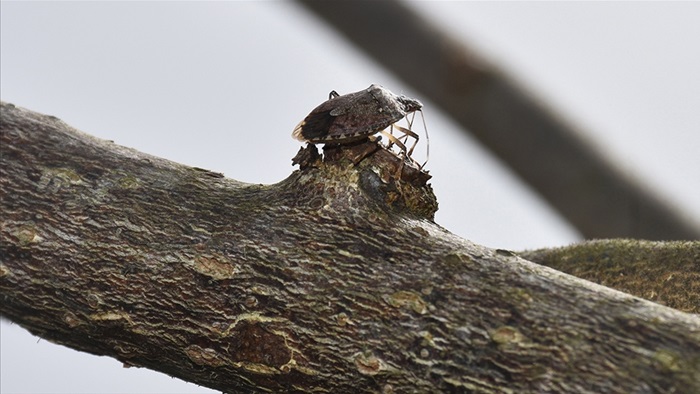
(333,280)
(663,272)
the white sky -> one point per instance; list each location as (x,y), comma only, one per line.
(220,85)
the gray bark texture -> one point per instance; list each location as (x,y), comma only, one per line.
(664,272)
(335,280)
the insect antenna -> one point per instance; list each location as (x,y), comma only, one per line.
(410,121)
(427,141)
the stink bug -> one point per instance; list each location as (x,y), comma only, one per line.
(355,116)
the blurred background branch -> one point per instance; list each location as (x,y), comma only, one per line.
(588,189)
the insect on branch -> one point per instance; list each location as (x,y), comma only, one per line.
(358,116)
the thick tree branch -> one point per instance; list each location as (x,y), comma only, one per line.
(333,280)
(663,272)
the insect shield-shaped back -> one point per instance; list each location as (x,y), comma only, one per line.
(354,116)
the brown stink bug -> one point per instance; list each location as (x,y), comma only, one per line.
(355,116)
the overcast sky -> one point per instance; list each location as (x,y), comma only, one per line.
(221,85)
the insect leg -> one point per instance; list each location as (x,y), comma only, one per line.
(393,140)
(408,133)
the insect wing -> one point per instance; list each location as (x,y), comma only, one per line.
(316,126)
(351,116)
(361,116)
(342,104)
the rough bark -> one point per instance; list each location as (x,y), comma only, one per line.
(333,280)
(663,272)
